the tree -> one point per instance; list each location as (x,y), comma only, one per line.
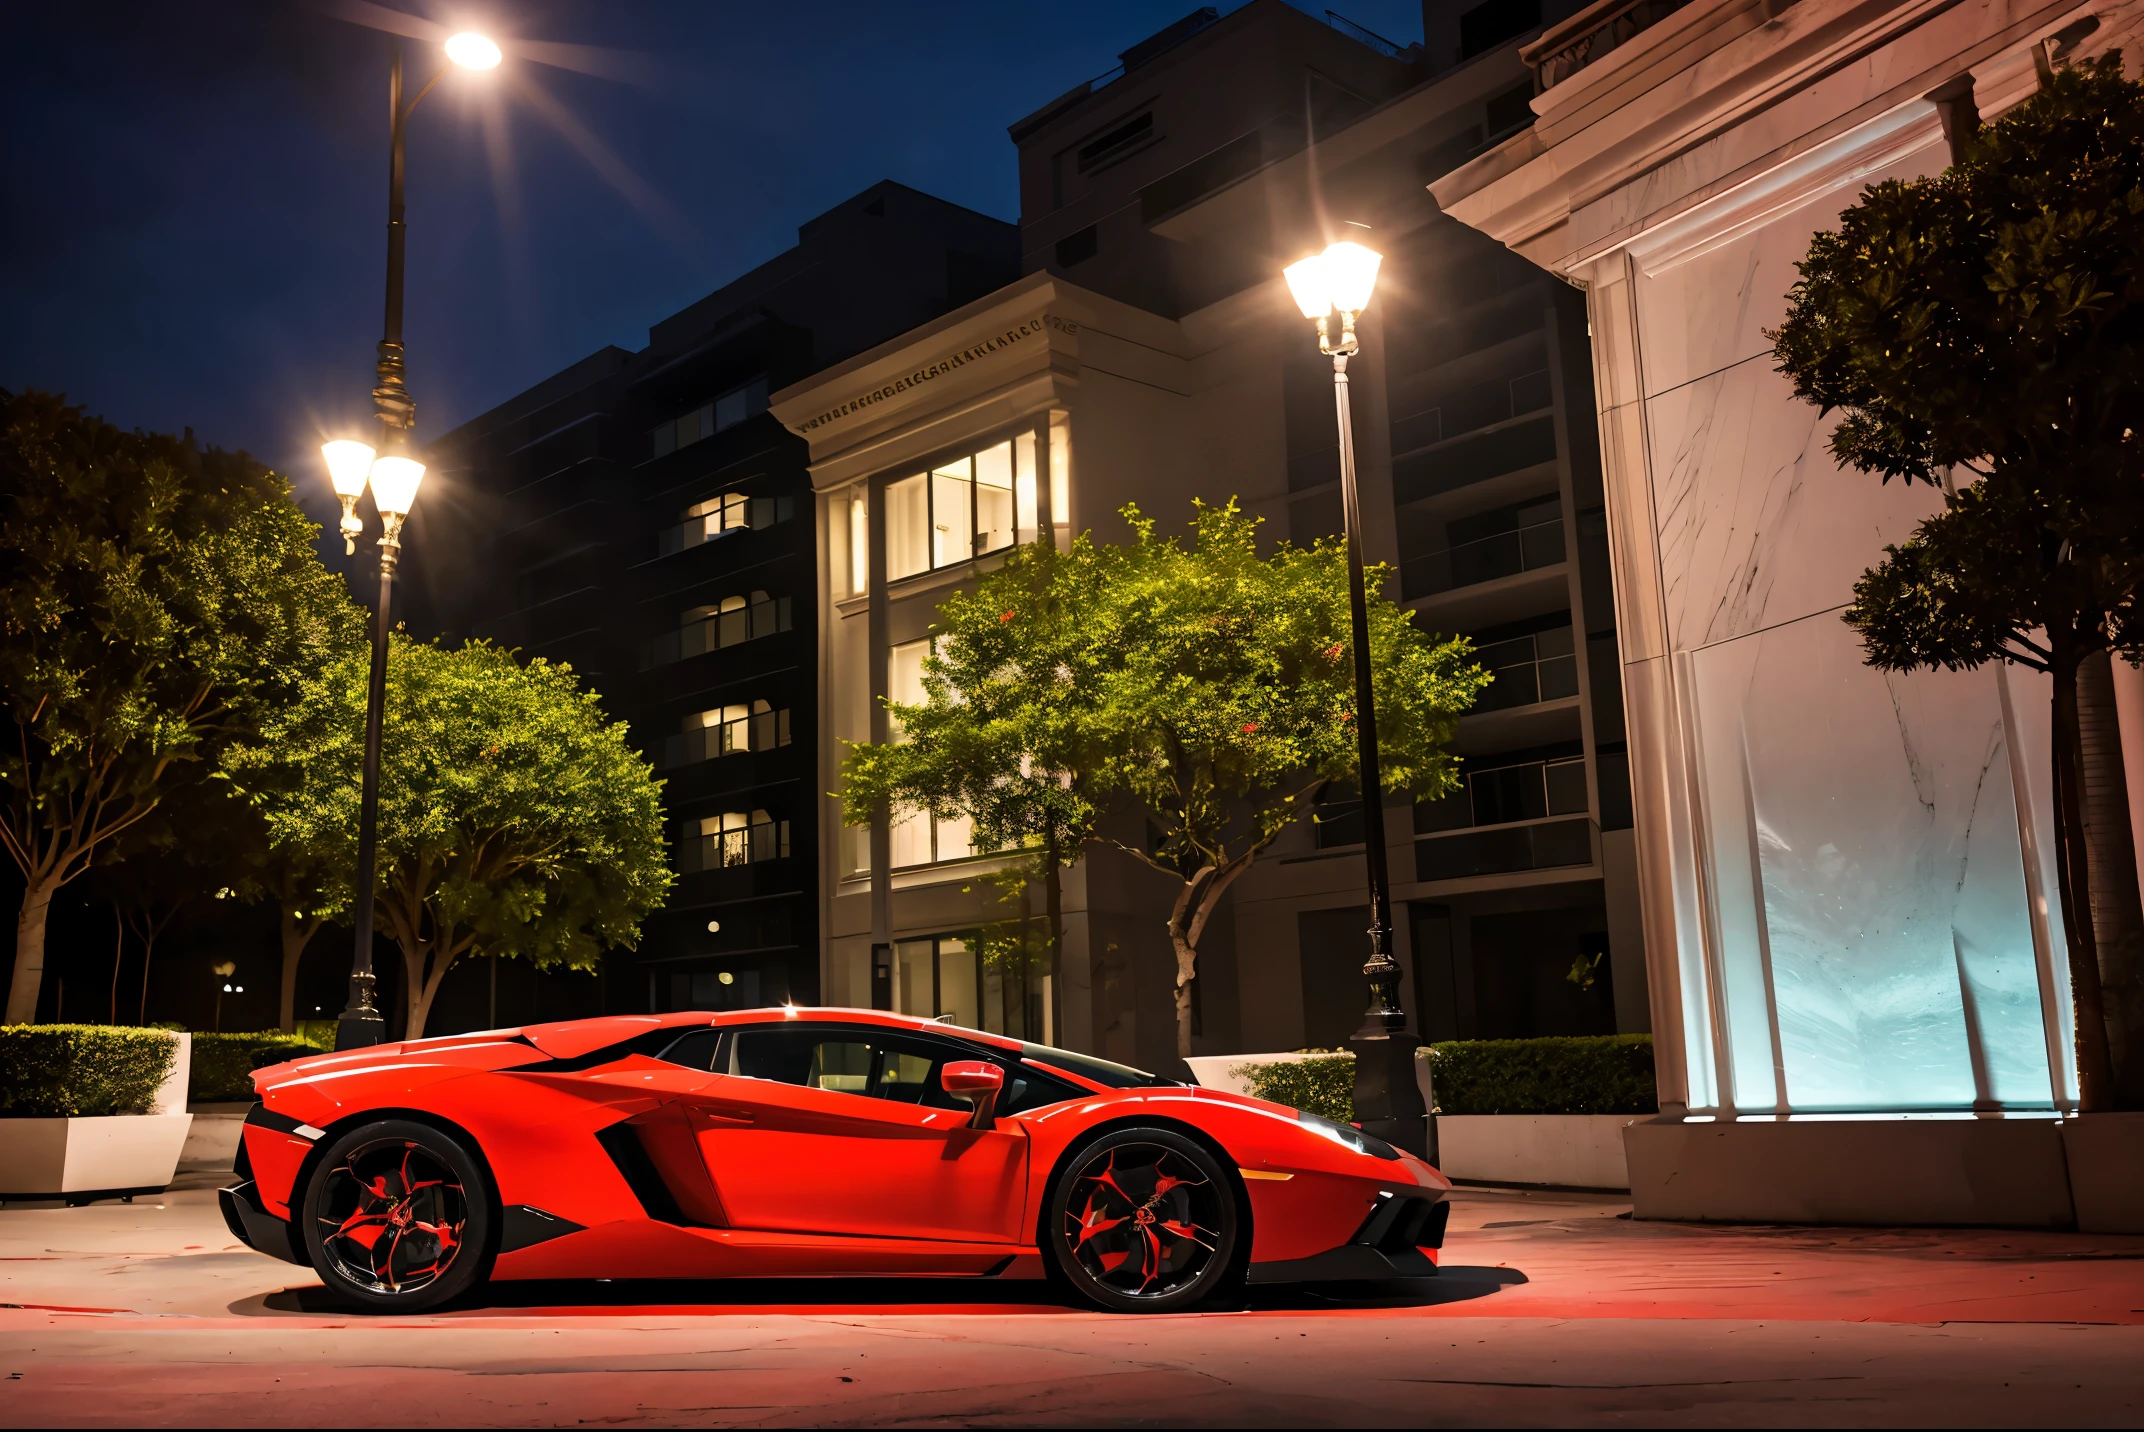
(1208,686)
(1982,331)
(156,599)
(998,739)
(514,818)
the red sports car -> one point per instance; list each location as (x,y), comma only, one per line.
(804,1142)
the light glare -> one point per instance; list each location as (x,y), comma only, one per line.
(348,463)
(394,484)
(472,51)
(1306,281)
(1350,275)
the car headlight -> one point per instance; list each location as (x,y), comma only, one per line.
(1347,1136)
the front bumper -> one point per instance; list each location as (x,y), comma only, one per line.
(256,1227)
(1398,1240)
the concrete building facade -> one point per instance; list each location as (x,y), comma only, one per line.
(641,517)
(1151,354)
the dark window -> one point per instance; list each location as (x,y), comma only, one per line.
(897,1067)
(1102,149)
(1494,21)
(810,1059)
(1337,816)
(1202,176)
(1100,1071)
(1078,247)
(1476,459)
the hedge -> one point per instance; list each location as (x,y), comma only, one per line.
(80,1070)
(1578,1074)
(1586,1074)
(224,1063)
(1316,1086)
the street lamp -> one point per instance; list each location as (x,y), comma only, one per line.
(394,477)
(1388,1101)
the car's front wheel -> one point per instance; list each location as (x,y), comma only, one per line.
(398,1217)
(1144,1220)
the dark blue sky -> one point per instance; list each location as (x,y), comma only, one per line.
(194,221)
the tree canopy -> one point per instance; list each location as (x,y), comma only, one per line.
(1208,686)
(515,819)
(1982,331)
(158,600)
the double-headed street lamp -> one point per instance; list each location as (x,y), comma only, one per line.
(1388,1102)
(393,476)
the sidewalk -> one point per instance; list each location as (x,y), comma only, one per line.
(1552,1308)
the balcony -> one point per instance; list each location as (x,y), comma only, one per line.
(1589,36)
(1505,849)
(1525,548)
(1477,457)
(732,626)
(1528,670)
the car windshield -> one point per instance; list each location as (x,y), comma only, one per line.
(1101,1071)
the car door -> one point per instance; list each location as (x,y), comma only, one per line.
(843,1130)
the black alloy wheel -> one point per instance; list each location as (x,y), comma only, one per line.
(1145,1221)
(399,1217)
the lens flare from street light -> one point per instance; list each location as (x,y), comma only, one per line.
(472,51)
(394,484)
(349,462)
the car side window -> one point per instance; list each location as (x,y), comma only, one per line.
(810,1059)
(695,1049)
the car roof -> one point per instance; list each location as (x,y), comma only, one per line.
(783,1014)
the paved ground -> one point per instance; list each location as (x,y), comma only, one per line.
(1552,1309)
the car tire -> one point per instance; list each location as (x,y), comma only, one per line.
(1144,1220)
(399,1217)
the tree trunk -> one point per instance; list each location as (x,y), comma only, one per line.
(2117,913)
(1053,914)
(29,979)
(297,933)
(2073,867)
(119,950)
(1183,939)
(423,990)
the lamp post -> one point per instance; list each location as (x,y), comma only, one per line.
(394,477)
(1388,1102)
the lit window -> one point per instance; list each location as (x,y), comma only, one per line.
(721,624)
(960,509)
(859,543)
(732,838)
(920,838)
(718,516)
(1060,470)
(726,731)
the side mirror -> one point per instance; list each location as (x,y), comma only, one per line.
(980,1084)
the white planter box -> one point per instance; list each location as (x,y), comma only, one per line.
(117,1153)
(1558,1150)
(113,1153)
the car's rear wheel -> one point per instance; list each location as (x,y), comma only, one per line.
(398,1217)
(1144,1220)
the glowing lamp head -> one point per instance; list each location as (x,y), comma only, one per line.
(1306,283)
(1340,278)
(394,484)
(472,51)
(349,463)
(1350,275)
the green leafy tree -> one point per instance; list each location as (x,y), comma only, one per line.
(514,820)
(157,599)
(999,740)
(1208,686)
(1982,331)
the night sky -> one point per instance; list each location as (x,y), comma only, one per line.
(197,200)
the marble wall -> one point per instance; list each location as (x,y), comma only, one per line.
(1858,914)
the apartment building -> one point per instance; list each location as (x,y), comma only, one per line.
(1150,353)
(639,516)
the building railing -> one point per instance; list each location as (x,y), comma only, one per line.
(1589,35)
(1485,559)
(1503,849)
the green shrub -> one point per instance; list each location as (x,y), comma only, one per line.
(1582,1074)
(1316,1086)
(78,1070)
(320,1033)
(224,1063)
(1591,1074)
